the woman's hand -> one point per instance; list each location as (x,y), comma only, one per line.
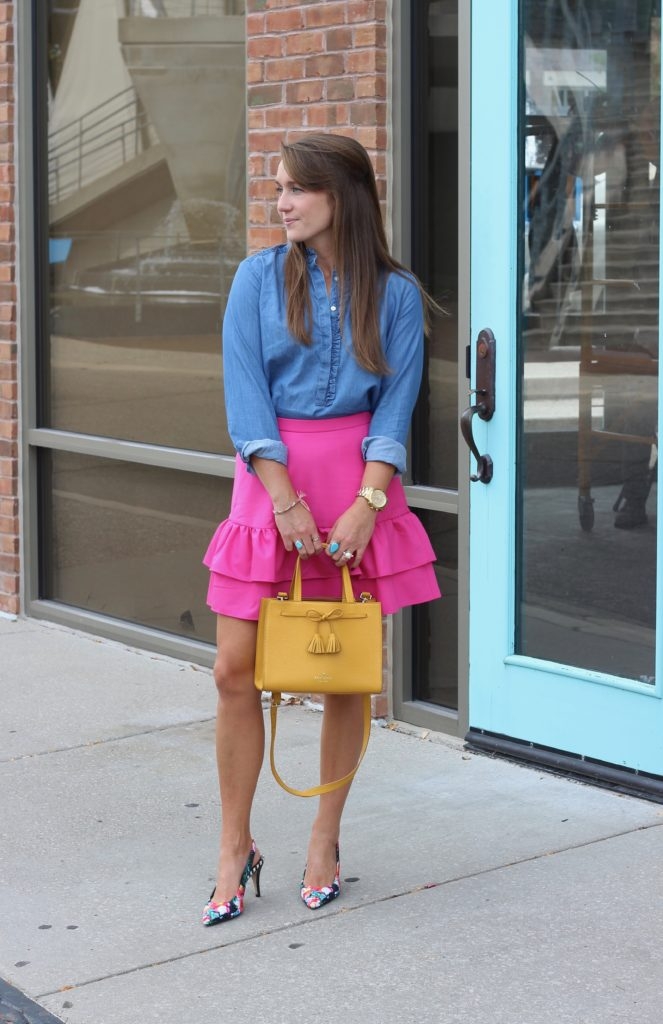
(298,530)
(351,532)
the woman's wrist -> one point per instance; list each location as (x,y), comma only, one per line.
(279,510)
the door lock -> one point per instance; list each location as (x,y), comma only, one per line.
(485,404)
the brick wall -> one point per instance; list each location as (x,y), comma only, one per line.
(9,558)
(319,65)
(316,65)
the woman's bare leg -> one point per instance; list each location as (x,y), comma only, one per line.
(340,746)
(240,743)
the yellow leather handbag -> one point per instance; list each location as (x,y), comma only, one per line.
(319,646)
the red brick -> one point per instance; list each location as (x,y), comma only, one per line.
(325,14)
(304,42)
(259,213)
(304,92)
(262,188)
(8,563)
(9,605)
(255,71)
(358,61)
(9,543)
(9,390)
(340,88)
(370,35)
(284,21)
(263,238)
(8,583)
(256,118)
(264,46)
(284,70)
(255,24)
(368,113)
(380,705)
(373,86)
(326,65)
(264,142)
(8,507)
(8,437)
(338,39)
(262,95)
(279,117)
(366,10)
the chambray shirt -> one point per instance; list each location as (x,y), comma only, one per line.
(267,373)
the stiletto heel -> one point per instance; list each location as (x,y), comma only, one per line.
(316,898)
(217,913)
(255,875)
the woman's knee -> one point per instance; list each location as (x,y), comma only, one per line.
(233,678)
(235,658)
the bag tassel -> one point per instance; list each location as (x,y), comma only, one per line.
(333,643)
(316,645)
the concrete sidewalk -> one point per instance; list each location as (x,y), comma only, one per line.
(475,890)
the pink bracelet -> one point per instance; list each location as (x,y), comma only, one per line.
(299,500)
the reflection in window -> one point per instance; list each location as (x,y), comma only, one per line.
(127,540)
(434,456)
(589,328)
(146,192)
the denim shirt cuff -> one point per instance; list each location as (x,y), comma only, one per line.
(384,449)
(265,448)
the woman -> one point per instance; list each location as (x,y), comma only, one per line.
(322,352)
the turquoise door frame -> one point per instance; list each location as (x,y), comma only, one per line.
(558,706)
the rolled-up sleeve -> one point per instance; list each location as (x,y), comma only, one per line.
(402,323)
(249,408)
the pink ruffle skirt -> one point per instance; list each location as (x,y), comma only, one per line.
(246,556)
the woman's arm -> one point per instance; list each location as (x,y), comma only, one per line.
(251,418)
(402,324)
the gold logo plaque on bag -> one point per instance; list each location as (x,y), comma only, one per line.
(319,646)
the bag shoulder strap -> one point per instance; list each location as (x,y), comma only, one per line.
(326,787)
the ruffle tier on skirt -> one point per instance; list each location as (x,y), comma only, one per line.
(246,556)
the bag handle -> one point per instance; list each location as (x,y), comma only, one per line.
(326,787)
(296,585)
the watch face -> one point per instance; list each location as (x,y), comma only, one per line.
(378,498)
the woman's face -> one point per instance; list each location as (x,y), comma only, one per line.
(307,215)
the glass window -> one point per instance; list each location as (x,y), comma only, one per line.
(589,327)
(435,234)
(128,540)
(434,457)
(146,198)
(435,626)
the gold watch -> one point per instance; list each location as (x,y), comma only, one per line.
(376,498)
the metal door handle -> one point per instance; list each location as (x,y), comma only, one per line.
(485,407)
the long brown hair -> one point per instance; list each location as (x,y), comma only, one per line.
(341,167)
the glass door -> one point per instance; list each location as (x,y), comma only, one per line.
(565,272)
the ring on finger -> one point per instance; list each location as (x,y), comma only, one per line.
(299,544)
(347,555)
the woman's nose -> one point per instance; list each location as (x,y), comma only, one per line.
(283,202)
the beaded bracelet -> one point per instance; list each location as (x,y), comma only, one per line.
(299,500)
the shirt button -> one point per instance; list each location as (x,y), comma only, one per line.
(333,309)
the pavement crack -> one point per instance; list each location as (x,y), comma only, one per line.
(108,739)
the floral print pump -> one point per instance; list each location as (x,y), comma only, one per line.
(217,913)
(316,898)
